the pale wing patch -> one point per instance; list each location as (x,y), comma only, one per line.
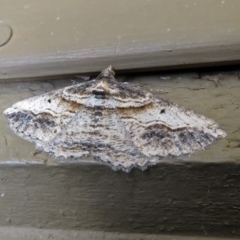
(164,129)
(41,118)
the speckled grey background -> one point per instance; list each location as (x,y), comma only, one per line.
(65,37)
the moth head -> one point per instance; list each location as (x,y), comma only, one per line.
(108,72)
(104,85)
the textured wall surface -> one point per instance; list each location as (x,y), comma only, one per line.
(13,233)
(190,195)
(170,198)
(52,37)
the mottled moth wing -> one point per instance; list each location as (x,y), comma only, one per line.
(39,119)
(165,129)
(100,133)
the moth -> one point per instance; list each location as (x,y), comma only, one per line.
(119,124)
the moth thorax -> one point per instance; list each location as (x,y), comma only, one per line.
(101,91)
(100,94)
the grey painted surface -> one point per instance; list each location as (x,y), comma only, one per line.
(191,198)
(190,195)
(64,37)
(11,233)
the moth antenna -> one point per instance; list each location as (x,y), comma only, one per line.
(74,82)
